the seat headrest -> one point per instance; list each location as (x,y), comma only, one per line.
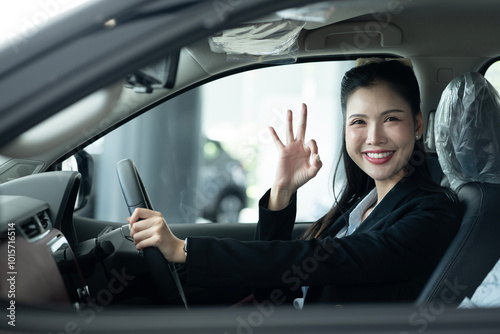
(467,131)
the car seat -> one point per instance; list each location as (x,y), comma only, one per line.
(467,135)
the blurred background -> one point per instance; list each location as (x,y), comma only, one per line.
(207,156)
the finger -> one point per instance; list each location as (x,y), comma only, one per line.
(315,161)
(315,166)
(142,235)
(150,241)
(136,216)
(147,223)
(301,131)
(276,139)
(313,147)
(289,127)
(141,213)
(140,225)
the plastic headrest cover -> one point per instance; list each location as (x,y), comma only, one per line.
(467,131)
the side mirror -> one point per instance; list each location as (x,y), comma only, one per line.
(84,164)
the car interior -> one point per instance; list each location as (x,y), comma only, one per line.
(90,74)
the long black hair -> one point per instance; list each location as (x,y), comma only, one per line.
(399,76)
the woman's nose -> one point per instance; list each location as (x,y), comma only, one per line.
(375,135)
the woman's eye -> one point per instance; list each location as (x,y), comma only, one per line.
(357,122)
(392,119)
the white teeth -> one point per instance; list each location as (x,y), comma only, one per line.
(379,155)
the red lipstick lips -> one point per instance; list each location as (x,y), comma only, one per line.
(378,157)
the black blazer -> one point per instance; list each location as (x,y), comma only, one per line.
(388,258)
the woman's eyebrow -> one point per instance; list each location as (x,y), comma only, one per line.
(383,113)
(390,111)
(356,116)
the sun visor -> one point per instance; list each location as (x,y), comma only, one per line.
(467,131)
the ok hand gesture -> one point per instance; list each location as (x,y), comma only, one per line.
(298,162)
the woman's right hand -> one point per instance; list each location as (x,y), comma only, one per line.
(298,162)
(149,229)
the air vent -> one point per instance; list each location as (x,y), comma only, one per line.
(31,228)
(36,227)
(44,221)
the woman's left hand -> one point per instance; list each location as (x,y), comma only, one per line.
(149,229)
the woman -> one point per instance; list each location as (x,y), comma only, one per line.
(381,239)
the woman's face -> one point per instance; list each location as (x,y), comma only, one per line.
(380,132)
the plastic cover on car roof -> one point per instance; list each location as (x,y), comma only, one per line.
(273,39)
(259,40)
(467,131)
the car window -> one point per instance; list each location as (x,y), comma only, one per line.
(207,156)
(492,74)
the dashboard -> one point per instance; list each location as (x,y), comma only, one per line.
(36,256)
(42,260)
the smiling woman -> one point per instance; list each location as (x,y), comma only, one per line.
(399,87)
(369,246)
(382,128)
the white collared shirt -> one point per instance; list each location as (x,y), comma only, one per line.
(356,215)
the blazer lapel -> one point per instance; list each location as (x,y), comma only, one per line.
(390,202)
(342,221)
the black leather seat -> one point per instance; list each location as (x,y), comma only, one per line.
(467,132)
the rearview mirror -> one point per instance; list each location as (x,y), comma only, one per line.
(161,74)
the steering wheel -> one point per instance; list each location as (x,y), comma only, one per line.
(163,273)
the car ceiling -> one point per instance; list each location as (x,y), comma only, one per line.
(442,38)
